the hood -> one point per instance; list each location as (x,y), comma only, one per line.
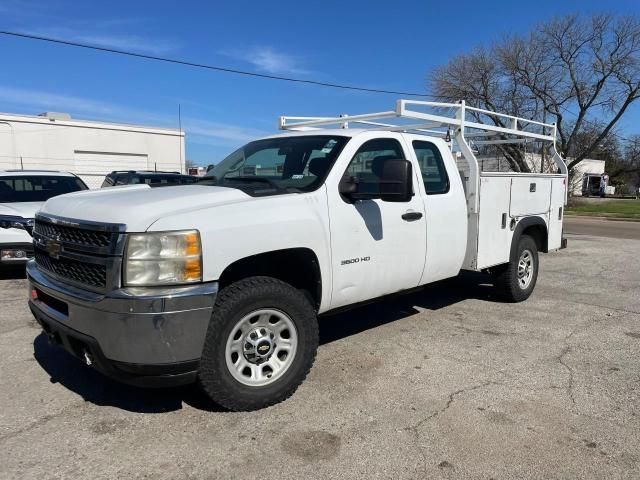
(139,206)
(20,209)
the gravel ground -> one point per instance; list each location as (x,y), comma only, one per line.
(442,383)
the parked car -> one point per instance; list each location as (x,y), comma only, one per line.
(22,193)
(155,179)
(222,281)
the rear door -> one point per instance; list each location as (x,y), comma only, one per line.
(377,247)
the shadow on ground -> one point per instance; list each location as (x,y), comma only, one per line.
(12,272)
(389,309)
(94,387)
(70,372)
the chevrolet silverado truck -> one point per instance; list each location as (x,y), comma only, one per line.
(221,282)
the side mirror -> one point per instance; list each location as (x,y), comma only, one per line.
(396,184)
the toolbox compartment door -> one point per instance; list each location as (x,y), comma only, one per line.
(530,195)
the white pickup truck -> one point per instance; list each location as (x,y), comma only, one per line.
(22,193)
(222,281)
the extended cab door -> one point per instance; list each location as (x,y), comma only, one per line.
(445,207)
(377,247)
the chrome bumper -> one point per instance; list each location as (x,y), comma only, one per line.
(135,326)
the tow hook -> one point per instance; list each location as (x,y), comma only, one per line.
(88,358)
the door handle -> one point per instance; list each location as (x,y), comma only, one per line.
(411,216)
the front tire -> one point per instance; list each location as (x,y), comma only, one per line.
(260,345)
(516,280)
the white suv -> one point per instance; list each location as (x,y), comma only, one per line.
(22,193)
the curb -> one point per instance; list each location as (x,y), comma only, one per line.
(598,217)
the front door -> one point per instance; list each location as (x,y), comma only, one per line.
(376,247)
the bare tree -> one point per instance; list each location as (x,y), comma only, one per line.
(577,72)
(624,169)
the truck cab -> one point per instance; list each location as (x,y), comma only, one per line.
(222,281)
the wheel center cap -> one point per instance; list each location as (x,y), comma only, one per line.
(264,348)
(258,345)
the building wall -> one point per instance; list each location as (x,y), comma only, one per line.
(588,165)
(89,149)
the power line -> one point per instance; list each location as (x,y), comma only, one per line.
(209,67)
(245,72)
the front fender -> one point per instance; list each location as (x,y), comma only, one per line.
(235,231)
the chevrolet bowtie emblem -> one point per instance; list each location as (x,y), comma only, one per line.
(54,248)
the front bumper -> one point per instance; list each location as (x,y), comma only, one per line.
(141,336)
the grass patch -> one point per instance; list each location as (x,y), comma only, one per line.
(611,208)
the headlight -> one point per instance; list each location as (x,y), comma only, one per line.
(10,221)
(167,258)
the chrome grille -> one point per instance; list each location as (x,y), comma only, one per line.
(83,253)
(74,235)
(80,272)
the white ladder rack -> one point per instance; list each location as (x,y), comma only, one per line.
(429,118)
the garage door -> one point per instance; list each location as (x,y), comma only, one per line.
(93,166)
(7,148)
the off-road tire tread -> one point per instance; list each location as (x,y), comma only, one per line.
(228,300)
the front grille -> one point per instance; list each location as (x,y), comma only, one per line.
(80,272)
(74,235)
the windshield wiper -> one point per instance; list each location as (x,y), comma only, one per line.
(210,179)
(250,178)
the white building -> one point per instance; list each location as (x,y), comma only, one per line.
(587,167)
(55,141)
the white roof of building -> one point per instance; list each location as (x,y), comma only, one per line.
(59,119)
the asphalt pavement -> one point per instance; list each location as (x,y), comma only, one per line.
(443,383)
(601,227)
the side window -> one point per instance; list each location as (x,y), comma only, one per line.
(434,173)
(368,162)
(125,180)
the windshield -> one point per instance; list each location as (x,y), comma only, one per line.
(278,165)
(37,188)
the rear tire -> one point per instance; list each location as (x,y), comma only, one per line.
(260,345)
(516,280)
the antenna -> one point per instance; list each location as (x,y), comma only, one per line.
(21,163)
(182,166)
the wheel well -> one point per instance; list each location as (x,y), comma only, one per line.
(296,266)
(539,233)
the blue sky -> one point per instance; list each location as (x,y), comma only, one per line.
(382,44)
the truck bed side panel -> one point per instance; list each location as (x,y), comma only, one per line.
(556,213)
(494,239)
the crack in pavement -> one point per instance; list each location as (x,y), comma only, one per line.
(567,348)
(41,421)
(604,307)
(452,396)
(569,388)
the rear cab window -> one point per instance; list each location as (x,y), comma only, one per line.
(432,168)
